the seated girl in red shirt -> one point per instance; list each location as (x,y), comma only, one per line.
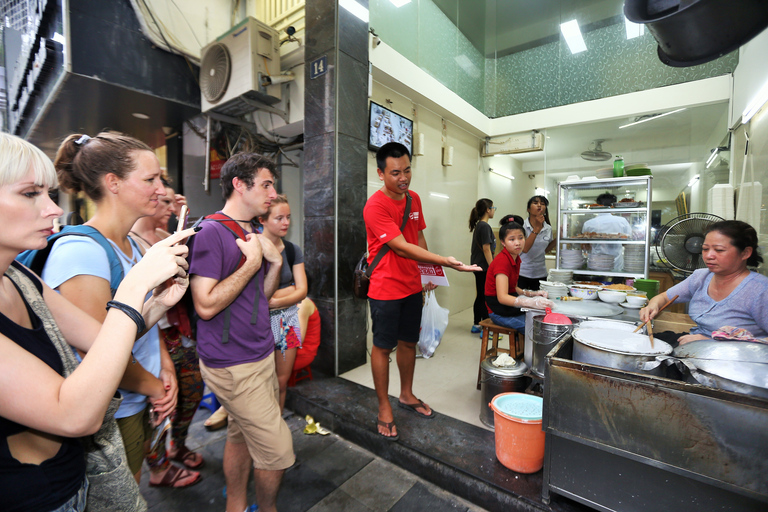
(503,298)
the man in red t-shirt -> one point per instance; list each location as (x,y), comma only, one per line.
(395,290)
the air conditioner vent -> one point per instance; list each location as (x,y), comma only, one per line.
(215,70)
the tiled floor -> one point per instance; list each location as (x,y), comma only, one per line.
(446,381)
(330,475)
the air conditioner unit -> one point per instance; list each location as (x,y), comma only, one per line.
(236,68)
(516,143)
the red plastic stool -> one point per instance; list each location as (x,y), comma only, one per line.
(300,374)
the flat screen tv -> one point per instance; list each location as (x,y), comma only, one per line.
(386,126)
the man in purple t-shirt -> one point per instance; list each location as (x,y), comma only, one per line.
(236,353)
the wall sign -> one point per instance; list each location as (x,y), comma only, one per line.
(318,67)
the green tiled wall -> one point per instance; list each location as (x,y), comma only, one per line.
(542,77)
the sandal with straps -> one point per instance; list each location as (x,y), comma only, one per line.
(174,475)
(190,459)
(389,426)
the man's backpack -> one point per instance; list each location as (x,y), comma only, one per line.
(35,259)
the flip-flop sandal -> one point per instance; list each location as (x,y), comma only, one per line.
(414,409)
(389,426)
(173,475)
(190,459)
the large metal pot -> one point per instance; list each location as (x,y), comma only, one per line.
(737,366)
(545,337)
(619,349)
(496,380)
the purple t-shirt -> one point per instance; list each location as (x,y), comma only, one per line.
(215,254)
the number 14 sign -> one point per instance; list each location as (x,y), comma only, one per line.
(318,67)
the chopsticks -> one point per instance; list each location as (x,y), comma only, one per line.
(650,333)
(649,320)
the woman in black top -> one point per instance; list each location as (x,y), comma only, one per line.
(42,413)
(483,247)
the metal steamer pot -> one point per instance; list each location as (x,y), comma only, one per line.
(496,380)
(738,366)
(545,337)
(620,349)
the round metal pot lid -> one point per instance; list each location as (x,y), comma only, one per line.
(748,351)
(517,370)
(621,342)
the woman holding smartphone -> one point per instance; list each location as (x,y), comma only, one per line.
(121,175)
(176,332)
(43,412)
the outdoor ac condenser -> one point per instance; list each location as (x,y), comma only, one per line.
(235,69)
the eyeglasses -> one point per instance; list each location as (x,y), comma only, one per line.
(493,208)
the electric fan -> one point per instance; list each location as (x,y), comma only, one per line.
(682,238)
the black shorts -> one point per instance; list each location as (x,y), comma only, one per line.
(396,320)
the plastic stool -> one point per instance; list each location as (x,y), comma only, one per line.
(296,375)
(209,402)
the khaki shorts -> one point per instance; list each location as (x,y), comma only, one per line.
(249,393)
(135,430)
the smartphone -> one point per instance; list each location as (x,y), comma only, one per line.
(183,215)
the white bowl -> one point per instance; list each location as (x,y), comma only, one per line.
(636,300)
(586,292)
(612,296)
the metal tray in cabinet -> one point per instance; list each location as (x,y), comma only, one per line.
(624,441)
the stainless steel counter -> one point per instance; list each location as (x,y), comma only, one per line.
(620,441)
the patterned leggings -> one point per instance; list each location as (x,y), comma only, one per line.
(190,394)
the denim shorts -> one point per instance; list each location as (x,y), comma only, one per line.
(77,502)
(396,320)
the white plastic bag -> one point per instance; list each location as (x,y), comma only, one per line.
(434,321)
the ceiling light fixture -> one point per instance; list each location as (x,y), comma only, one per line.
(497,173)
(651,118)
(572,35)
(694,180)
(756,104)
(437,194)
(713,155)
(355,8)
(633,29)
(139,115)
(400,3)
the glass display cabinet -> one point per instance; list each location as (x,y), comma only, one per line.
(610,241)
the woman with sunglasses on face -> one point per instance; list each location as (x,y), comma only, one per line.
(121,175)
(43,410)
(483,247)
(539,240)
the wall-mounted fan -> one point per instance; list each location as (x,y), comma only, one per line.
(682,238)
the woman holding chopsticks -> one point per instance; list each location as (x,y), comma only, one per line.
(727,292)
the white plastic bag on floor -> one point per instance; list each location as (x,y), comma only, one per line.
(434,321)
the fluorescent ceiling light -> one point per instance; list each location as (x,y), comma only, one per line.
(139,115)
(572,35)
(652,118)
(437,194)
(712,157)
(633,29)
(355,8)
(400,3)
(497,173)
(756,104)
(693,180)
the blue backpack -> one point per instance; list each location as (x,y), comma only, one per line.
(35,259)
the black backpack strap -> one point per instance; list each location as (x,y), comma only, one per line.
(384,250)
(290,253)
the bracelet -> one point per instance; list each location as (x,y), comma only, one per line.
(134,315)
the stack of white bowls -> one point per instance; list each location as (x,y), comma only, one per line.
(571,258)
(560,276)
(554,289)
(634,258)
(604,173)
(602,262)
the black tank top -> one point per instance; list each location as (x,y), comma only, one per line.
(48,485)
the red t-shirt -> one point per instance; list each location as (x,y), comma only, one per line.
(394,277)
(503,263)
